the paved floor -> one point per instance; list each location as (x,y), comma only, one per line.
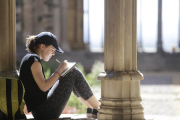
(161,117)
(158,101)
(161,99)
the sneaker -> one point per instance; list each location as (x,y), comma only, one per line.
(89,112)
(94,113)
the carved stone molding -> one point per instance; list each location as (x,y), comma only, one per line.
(121,75)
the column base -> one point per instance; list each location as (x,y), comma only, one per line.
(120,96)
(102,116)
(121,109)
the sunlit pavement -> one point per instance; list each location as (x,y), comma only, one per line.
(160,117)
(161,99)
(158,101)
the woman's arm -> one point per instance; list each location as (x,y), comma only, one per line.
(43,84)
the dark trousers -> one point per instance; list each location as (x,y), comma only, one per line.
(59,95)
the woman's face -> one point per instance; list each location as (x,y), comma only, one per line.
(47,52)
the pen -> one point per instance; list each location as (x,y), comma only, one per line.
(58,61)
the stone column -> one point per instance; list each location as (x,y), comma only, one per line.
(19,4)
(75,24)
(8,38)
(64,44)
(27,19)
(36,17)
(140,44)
(159,43)
(56,18)
(179,29)
(120,83)
(48,16)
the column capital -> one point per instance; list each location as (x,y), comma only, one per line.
(9,74)
(121,75)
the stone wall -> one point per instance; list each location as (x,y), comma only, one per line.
(158,62)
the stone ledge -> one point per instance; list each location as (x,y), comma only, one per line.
(67,117)
(83,117)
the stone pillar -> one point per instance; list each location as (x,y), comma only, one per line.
(56,18)
(48,15)
(179,29)
(140,44)
(120,83)
(159,43)
(75,24)
(36,17)
(27,19)
(19,4)
(8,38)
(64,44)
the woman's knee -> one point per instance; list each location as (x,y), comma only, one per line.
(77,70)
(74,72)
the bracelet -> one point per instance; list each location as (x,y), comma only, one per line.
(58,73)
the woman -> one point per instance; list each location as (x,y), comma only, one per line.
(46,98)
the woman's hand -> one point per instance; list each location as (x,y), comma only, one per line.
(26,111)
(63,66)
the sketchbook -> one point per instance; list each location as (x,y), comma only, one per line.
(71,65)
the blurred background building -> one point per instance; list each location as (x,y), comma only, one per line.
(79,25)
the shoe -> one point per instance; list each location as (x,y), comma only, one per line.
(89,112)
(94,113)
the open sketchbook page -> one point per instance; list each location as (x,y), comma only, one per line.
(71,65)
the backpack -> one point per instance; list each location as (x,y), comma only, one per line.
(11,99)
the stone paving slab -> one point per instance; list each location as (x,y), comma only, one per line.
(161,99)
(157,99)
(160,117)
